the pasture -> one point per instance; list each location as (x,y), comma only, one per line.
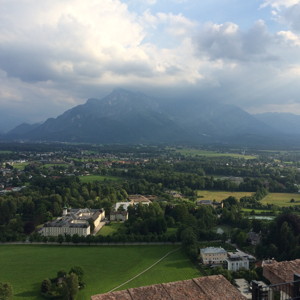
(199,152)
(105,267)
(220,195)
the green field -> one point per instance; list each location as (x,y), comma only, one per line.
(105,267)
(20,166)
(5,152)
(220,195)
(91,178)
(110,229)
(279,199)
(197,152)
(282,199)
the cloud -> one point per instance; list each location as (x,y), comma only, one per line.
(228,41)
(55,54)
(277,4)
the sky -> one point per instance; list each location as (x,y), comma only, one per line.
(55,54)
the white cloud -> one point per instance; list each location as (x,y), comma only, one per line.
(277,4)
(57,53)
(289,37)
(55,48)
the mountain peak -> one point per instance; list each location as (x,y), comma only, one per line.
(126,116)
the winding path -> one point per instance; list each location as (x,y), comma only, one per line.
(170,252)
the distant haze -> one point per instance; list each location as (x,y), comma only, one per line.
(54,54)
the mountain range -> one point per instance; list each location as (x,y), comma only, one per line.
(130,117)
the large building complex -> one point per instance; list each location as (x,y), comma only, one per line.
(74,221)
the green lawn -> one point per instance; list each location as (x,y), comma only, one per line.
(110,229)
(105,267)
(198,152)
(182,269)
(282,199)
(91,178)
(220,195)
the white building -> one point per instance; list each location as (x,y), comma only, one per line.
(74,221)
(118,216)
(213,255)
(237,261)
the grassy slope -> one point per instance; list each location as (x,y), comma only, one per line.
(25,266)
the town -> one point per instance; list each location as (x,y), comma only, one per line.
(232,213)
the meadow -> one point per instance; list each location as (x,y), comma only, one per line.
(220,195)
(91,178)
(105,267)
(198,152)
(281,199)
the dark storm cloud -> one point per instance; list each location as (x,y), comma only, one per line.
(30,65)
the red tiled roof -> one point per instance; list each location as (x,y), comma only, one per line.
(284,270)
(204,288)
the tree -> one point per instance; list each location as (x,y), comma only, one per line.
(46,286)
(60,238)
(6,291)
(79,272)
(188,237)
(61,274)
(72,284)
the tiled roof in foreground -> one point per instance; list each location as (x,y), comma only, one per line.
(283,271)
(203,288)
